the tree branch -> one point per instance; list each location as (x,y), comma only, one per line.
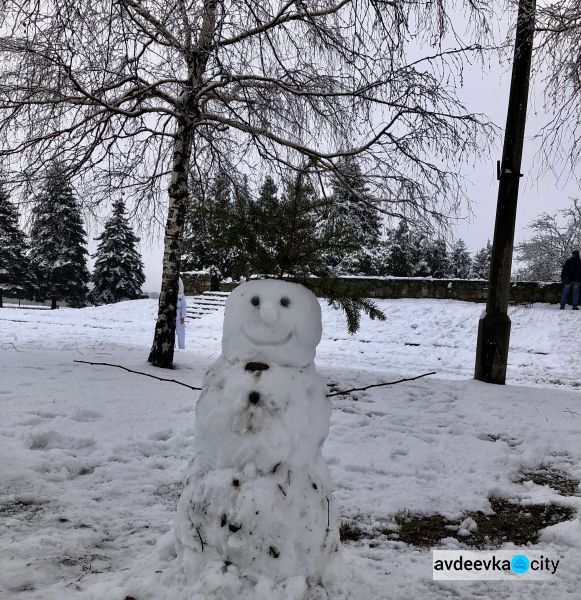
(373,385)
(102,364)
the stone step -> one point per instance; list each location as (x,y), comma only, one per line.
(210,298)
(213,305)
(204,303)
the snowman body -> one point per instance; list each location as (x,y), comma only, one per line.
(256,516)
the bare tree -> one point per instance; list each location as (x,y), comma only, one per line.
(553,239)
(141,94)
(558,65)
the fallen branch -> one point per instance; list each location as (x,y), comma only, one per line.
(102,364)
(198,529)
(373,385)
(191,387)
(6,345)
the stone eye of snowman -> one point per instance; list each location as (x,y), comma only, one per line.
(284,301)
(255,301)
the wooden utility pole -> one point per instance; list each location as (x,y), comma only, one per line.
(494,325)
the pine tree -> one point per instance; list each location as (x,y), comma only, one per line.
(210,241)
(436,257)
(265,223)
(354,225)
(369,260)
(399,244)
(118,273)
(348,211)
(15,278)
(58,255)
(481,262)
(243,237)
(297,243)
(420,249)
(460,261)
(196,234)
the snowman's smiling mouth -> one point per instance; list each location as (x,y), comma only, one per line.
(259,341)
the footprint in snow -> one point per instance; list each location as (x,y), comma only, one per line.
(47,440)
(31,422)
(86,416)
(44,414)
(160,436)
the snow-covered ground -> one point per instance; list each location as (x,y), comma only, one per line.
(92,458)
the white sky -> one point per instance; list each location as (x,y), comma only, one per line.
(540,191)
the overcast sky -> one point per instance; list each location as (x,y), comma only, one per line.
(540,191)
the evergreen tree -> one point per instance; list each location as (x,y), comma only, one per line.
(420,249)
(436,258)
(399,245)
(354,225)
(15,276)
(242,230)
(369,260)
(348,211)
(58,255)
(265,224)
(460,261)
(118,273)
(481,262)
(210,236)
(297,246)
(196,231)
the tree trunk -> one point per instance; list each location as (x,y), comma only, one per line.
(162,350)
(53,304)
(1,305)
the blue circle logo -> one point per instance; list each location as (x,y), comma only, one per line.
(520,564)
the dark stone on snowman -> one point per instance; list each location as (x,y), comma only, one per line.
(255,367)
(261,416)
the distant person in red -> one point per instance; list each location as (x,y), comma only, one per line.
(571,277)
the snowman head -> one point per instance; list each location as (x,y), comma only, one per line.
(272,321)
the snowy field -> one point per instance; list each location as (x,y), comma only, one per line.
(92,458)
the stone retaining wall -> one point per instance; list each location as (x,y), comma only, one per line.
(196,283)
(469,290)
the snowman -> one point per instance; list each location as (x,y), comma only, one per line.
(256,517)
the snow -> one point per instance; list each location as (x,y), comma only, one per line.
(92,458)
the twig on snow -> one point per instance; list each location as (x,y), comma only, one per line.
(373,385)
(103,364)
(191,387)
(200,538)
(6,345)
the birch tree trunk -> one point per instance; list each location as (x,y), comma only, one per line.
(161,354)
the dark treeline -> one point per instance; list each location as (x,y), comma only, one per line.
(291,229)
